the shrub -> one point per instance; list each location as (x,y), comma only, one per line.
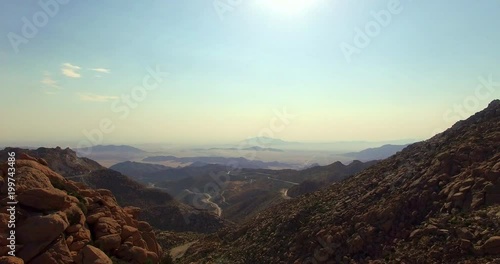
(166,259)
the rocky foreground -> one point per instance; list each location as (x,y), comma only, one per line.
(61,221)
(437,201)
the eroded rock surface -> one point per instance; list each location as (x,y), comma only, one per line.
(60,221)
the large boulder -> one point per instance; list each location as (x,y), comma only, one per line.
(106,226)
(92,255)
(41,228)
(109,243)
(44,199)
(38,232)
(28,178)
(128,231)
(10,260)
(55,178)
(492,246)
(56,254)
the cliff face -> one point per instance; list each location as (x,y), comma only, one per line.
(437,201)
(61,221)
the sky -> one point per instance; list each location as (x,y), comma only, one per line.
(216,71)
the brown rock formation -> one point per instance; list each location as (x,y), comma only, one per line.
(58,221)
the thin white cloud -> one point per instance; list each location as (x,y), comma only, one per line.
(49,92)
(90,97)
(70,66)
(70,70)
(101,70)
(48,81)
(49,85)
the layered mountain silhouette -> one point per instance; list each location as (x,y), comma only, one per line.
(108,155)
(236,162)
(153,173)
(437,201)
(322,176)
(253,148)
(138,170)
(382,152)
(241,193)
(111,148)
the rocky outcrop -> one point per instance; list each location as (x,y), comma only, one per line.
(63,161)
(90,255)
(434,202)
(61,221)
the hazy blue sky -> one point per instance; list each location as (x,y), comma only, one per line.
(231,68)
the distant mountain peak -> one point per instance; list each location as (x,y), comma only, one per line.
(265,141)
(111,148)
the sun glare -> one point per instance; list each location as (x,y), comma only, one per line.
(287,7)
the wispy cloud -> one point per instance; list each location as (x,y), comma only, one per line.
(49,92)
(70,70)
(48,81)
(102,70)
(90,97)
(49,85)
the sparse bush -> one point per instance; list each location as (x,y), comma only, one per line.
(83,207)
(166,259)
(73,218)
(58,185)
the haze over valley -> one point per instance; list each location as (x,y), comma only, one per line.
(250,132)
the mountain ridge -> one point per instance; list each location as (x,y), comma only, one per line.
(436,201)
(378,153)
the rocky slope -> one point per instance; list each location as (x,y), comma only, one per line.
(437,201)
(321,176)
(61,221)
(62,161)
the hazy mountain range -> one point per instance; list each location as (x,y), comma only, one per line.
(436,201)
(382,152)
